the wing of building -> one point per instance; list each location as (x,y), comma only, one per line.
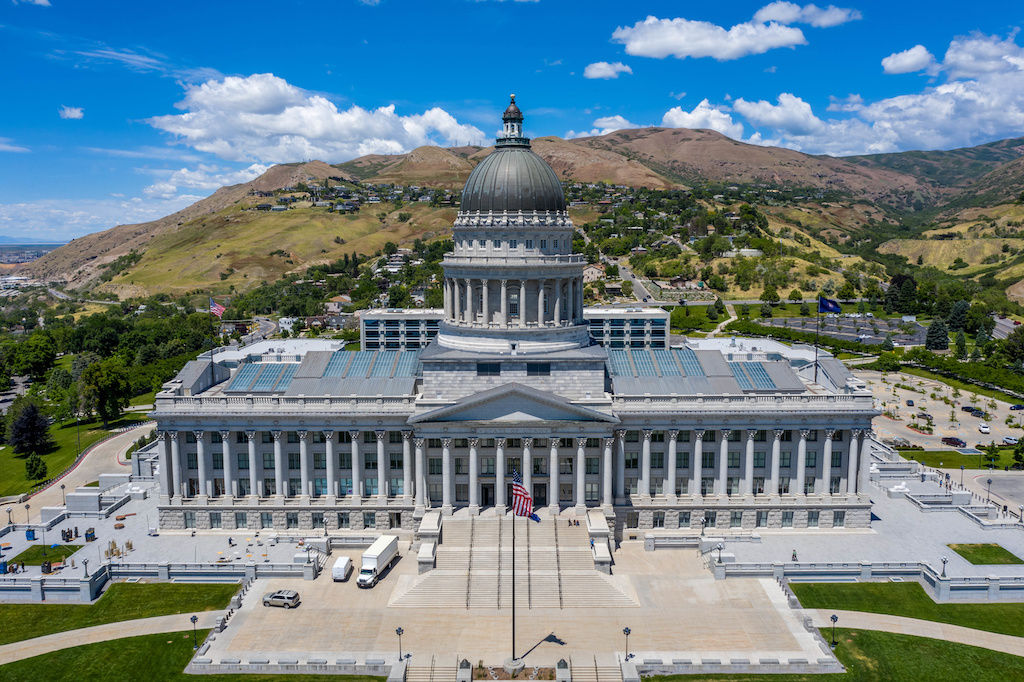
(440,408)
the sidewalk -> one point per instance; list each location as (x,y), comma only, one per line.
(16,651)
(861,620)
(731,311)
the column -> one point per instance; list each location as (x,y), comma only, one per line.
(581,474)
(852,484)
(456,301)
(474,476)
(826,464)
(469,300)
(357,467)
(540,303)
(165,464)
(606,472)
(499,475)
(280,483)
(485,298)
(446,476)
(176,465)
(447,299)
(421,474)
(230,484)
(553,496)
(504,302)
(670,476)
(773,484)
(698,462)
(571,307)
(556,291)
(620,467)
(304,464)
(205,482)
(748,464)
(801,463)
(382,467)
(406,464)
(645,465)
(528,465)
(254,478)
(723,464)
(522,303)
(332,465)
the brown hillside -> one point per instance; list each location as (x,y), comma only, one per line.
(81,260)
(432,166)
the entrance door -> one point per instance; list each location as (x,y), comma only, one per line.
(487,495)
(540,494)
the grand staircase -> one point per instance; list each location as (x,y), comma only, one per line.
(473,568)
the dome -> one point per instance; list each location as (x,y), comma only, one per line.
(513,179)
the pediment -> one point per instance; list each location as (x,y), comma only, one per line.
(513,403)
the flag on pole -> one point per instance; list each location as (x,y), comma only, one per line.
(522,501)
(827,305)
(216,308)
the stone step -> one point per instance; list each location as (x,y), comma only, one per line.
(426,674)
(588,673)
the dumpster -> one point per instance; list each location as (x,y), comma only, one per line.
(30,533)
(90,534)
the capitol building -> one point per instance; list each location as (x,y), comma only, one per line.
(722,433)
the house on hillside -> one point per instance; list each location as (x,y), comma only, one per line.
(593,272)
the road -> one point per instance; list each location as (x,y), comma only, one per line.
(1002,328)
(56,293)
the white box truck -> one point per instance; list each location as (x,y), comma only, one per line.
(381,554)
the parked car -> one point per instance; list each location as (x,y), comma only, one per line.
(1010,440)
(955,442)
(901,442)
(910,403)
(289,599)
(1017,407)
(925,416)
(967,408)
(984,428)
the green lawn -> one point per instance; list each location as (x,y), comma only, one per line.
(950,459)
(986,553)
(872,656)
(148,657)
(12,466)
(35,555)
(963,386)
(910,600)
(693,317)
(121,601)
(144,399)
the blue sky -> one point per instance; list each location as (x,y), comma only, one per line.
(120,112)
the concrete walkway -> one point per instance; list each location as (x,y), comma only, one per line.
(861,620)
(731,311)
(103,633)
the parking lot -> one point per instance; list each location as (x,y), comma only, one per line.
(867,330)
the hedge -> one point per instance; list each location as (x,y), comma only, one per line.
(747,327)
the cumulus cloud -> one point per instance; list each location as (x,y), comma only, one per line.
(704,115)
(205,177)
(605,70)
(791,13)
(916,58)
(7,145)
(71,112)
(791,114)
(978,55)
(62,219)
(682,38)
(852,102)
(603,126)
(264,118)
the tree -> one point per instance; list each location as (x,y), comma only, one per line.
(961,345)
(106,389)
(805,309)
(766,309)
(627,289)
(711,313)
(937,337)
(796,295)
(745,310)
(957,319)
(35,468)
(888,345)
(991,454)
(847,292)
(770,295)
(719,306)
(1013,346)
(36,355)
(29,431)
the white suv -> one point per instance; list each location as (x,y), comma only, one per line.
(289,599)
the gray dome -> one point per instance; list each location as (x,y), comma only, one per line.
(513,178)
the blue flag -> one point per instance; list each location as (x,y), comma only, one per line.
(827,305)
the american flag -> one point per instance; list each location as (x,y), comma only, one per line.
(216,308)
(522,501)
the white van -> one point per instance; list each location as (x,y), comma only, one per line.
(342,569)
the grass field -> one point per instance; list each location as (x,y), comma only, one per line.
(950,459)
(872,656)
(148,657)
(963,386)
(940,253)
(37,554)
(121,601)
(65,438)
(910,600)
(986,553)
(693,317)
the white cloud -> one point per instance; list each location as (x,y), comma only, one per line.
(264,118)
(603,126)
(791,114)
(791,13)
(704,115)
(61,219)
(204,177)
(979,55)
(916,58)
(605,70)
(852,102)
(71,112)
(7,145)
(38,3)
(682,38)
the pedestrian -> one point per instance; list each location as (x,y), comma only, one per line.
(22,566)
(794,555)
(591,543)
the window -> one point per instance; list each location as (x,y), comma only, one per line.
(215,520)
(215,438)
(538,369)
(632,460)
(318,519)
(496,243)
(395,486)
(240,437)
(434,465)
(513,243)
(733,485)
(812,519)
(291,520)
(295,487)
(345,460)
(734,436)
(293,437)
(736,519)
(709,437)
(370,486)
(707,485)
(434,491)
(243,487)
(241,520)
(267,437)
(345,485)
(762,519)
(711,519)
(834,484)
(659,519)
(529,243)
(193,460)
(838,519)
(837,459)
(632,436)
(812,458)
(370,460)
(684,519)
(190,519)
(837,437)
(461,492)
(369,519)
(266,520)
(433,442)
(593,465)
(543,243)
(540,466)
(784,485)
(369,437)
(759,460)
(787,519)
(242,460)
(554,243)
(657,460)
(488,369)
(565,492)
(565,465)
(293,460)
(343,520)
(319,460)
(682,460)
(190,437)
(395,461)
(487,466)
(812,436)
(590,492)
(658,437)
(734,460)
(319,487)
(785,459)
(759,485)
(707,460)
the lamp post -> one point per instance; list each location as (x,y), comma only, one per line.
(85,562)
(703,523)
(28,505)
(195,642)
(399,631)
(63,500)
(626,632)
(945,560)
(9,520)
(719,547)
(962,467)
(988,495)
(834,618)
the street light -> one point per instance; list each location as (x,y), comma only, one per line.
(63,500)
(399,631)
(195,643)
(945,560)
(703,522)
(9,520)
(988,496)
(962,467)
(719,547)
(834,618)
(28,505)
(626,632)
(86,563)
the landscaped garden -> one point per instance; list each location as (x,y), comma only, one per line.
(986,553)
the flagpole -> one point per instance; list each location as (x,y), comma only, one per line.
(513,583)
(817,329)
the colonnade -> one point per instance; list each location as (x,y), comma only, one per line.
(515,303)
